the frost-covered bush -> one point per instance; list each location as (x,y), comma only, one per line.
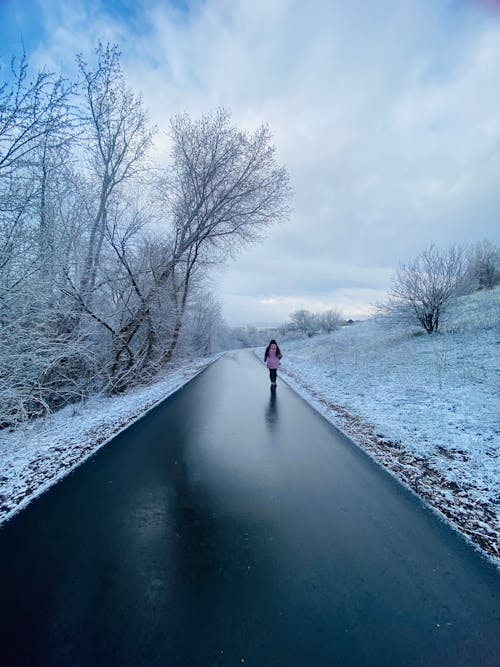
(423,288)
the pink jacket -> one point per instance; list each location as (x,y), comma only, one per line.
(273,361)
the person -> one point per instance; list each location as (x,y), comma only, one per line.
(272,358)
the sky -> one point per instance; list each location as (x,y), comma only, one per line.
(386,115)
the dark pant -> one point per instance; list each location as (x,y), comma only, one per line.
(273,372)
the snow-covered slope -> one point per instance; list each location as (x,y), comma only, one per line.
(427,407)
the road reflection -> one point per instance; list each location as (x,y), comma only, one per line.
(272,411)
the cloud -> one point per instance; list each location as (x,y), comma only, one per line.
(385,114)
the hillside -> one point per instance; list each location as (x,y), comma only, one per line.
(426,407)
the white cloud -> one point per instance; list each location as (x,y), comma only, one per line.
(386,115)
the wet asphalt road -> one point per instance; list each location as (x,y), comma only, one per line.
(233,526)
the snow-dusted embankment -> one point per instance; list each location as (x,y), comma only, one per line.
(426,407)
(38,454)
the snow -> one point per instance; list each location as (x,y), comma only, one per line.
(425,407)
(38,454)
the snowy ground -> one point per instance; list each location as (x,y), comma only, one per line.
(426,407)
(36,455)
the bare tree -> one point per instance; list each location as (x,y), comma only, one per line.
(304,322)
(46,356)
(223,189)
(484,265)
(423,288)
(330,320)
(31,113)
(37,126)
(117,142)
(36,120)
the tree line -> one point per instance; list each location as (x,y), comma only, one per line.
(105,254)
(301,323)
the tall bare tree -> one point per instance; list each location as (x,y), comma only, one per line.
(118,138)
(223,190)
(36,120)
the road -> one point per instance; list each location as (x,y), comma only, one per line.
(235,526)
